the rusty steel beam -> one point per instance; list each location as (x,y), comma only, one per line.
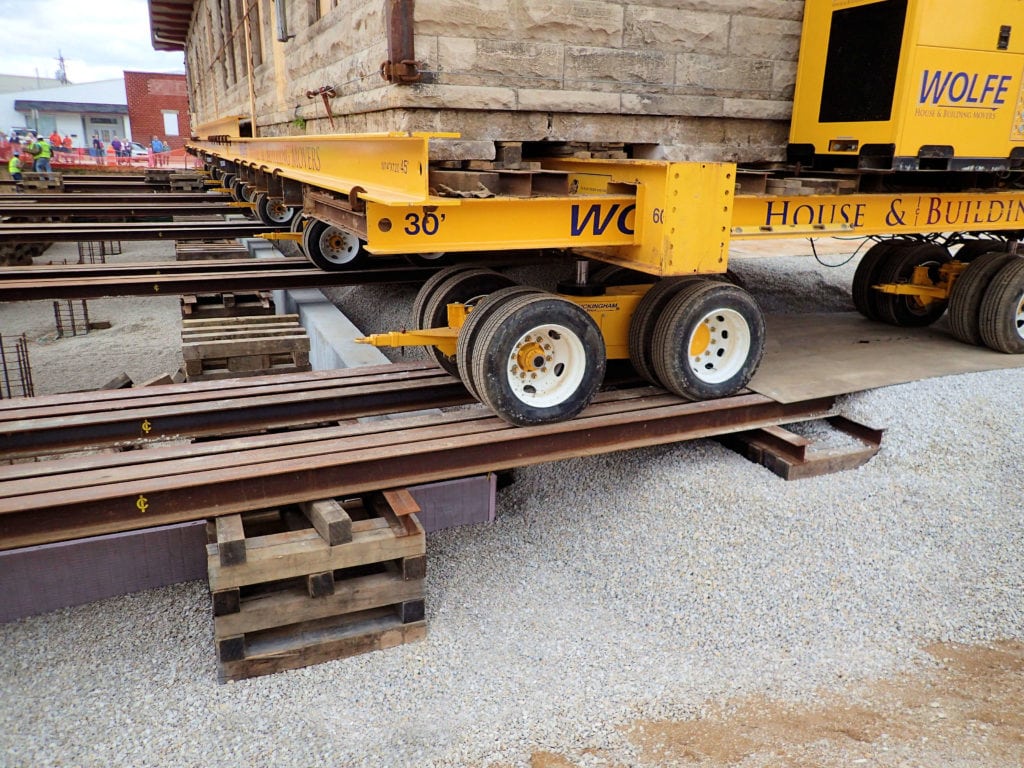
(34,198)
(54,501)
(120,210)
(148,415)
(72,287)
(86,231)
(151,268)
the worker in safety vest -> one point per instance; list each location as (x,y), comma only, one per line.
(14,168)
(42,162)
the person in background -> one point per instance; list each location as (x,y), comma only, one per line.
(159,148)
(98,150)
(55,141)
(67,143)
(115,144)
(14,168)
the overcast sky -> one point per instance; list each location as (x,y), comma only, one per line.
(99,39)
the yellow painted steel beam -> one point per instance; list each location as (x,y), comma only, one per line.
(502,222)
(757,216)
(389,168)
(683,212)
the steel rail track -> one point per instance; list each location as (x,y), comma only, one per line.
(91,495)
(119,210)
(33,198)
(85,231)
(150,268)
(204,281)
(31,427)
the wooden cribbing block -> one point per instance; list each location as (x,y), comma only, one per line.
(320,584)
(324,581)
(231,540)
(330,520)
(223,347)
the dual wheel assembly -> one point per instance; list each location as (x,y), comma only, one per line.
(537,358)
(986,300)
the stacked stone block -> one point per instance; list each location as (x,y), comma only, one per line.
(691,79)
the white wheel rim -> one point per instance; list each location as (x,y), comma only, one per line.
(546,365)
(435,256)
(1018,320)
(279,212)
(719,346)
(338,246)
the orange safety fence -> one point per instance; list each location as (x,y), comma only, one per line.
(79,157)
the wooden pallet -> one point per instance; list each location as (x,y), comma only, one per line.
(225,249)
(228,347)
(32,180)
(237,304)
(488,183)
(323,581)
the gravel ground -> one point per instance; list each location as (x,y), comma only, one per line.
(648,586)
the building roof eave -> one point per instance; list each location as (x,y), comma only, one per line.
(168,23)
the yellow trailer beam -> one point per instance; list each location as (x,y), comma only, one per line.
(662,218)
(759,216)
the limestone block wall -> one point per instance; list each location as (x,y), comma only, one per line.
(689,79)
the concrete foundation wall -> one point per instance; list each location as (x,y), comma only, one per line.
(703,79)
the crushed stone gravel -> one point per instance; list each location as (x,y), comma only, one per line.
(643,584)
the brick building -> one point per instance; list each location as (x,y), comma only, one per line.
(158,106)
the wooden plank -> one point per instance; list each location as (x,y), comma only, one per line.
(293,606)
(373,633)
(236,348)
(228,322)
(303,552)
(230,540)
(329,519)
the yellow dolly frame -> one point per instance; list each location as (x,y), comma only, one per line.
(537,357)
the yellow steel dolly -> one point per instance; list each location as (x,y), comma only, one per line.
(537,357)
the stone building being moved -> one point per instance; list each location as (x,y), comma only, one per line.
(679,79)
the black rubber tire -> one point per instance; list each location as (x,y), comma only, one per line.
(968,291)
(734,344)
(274,214)
(611,275)
(429,286)
(249,192)
(1001,317)
(864,296)
(237,192)
(471,329)
(513,319)
(227,181)
(438,259)
(645,316)
(972,249)
(466,286)
(330,248)
(299,222)
(907,311)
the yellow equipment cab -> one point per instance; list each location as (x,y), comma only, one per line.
(910,85)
